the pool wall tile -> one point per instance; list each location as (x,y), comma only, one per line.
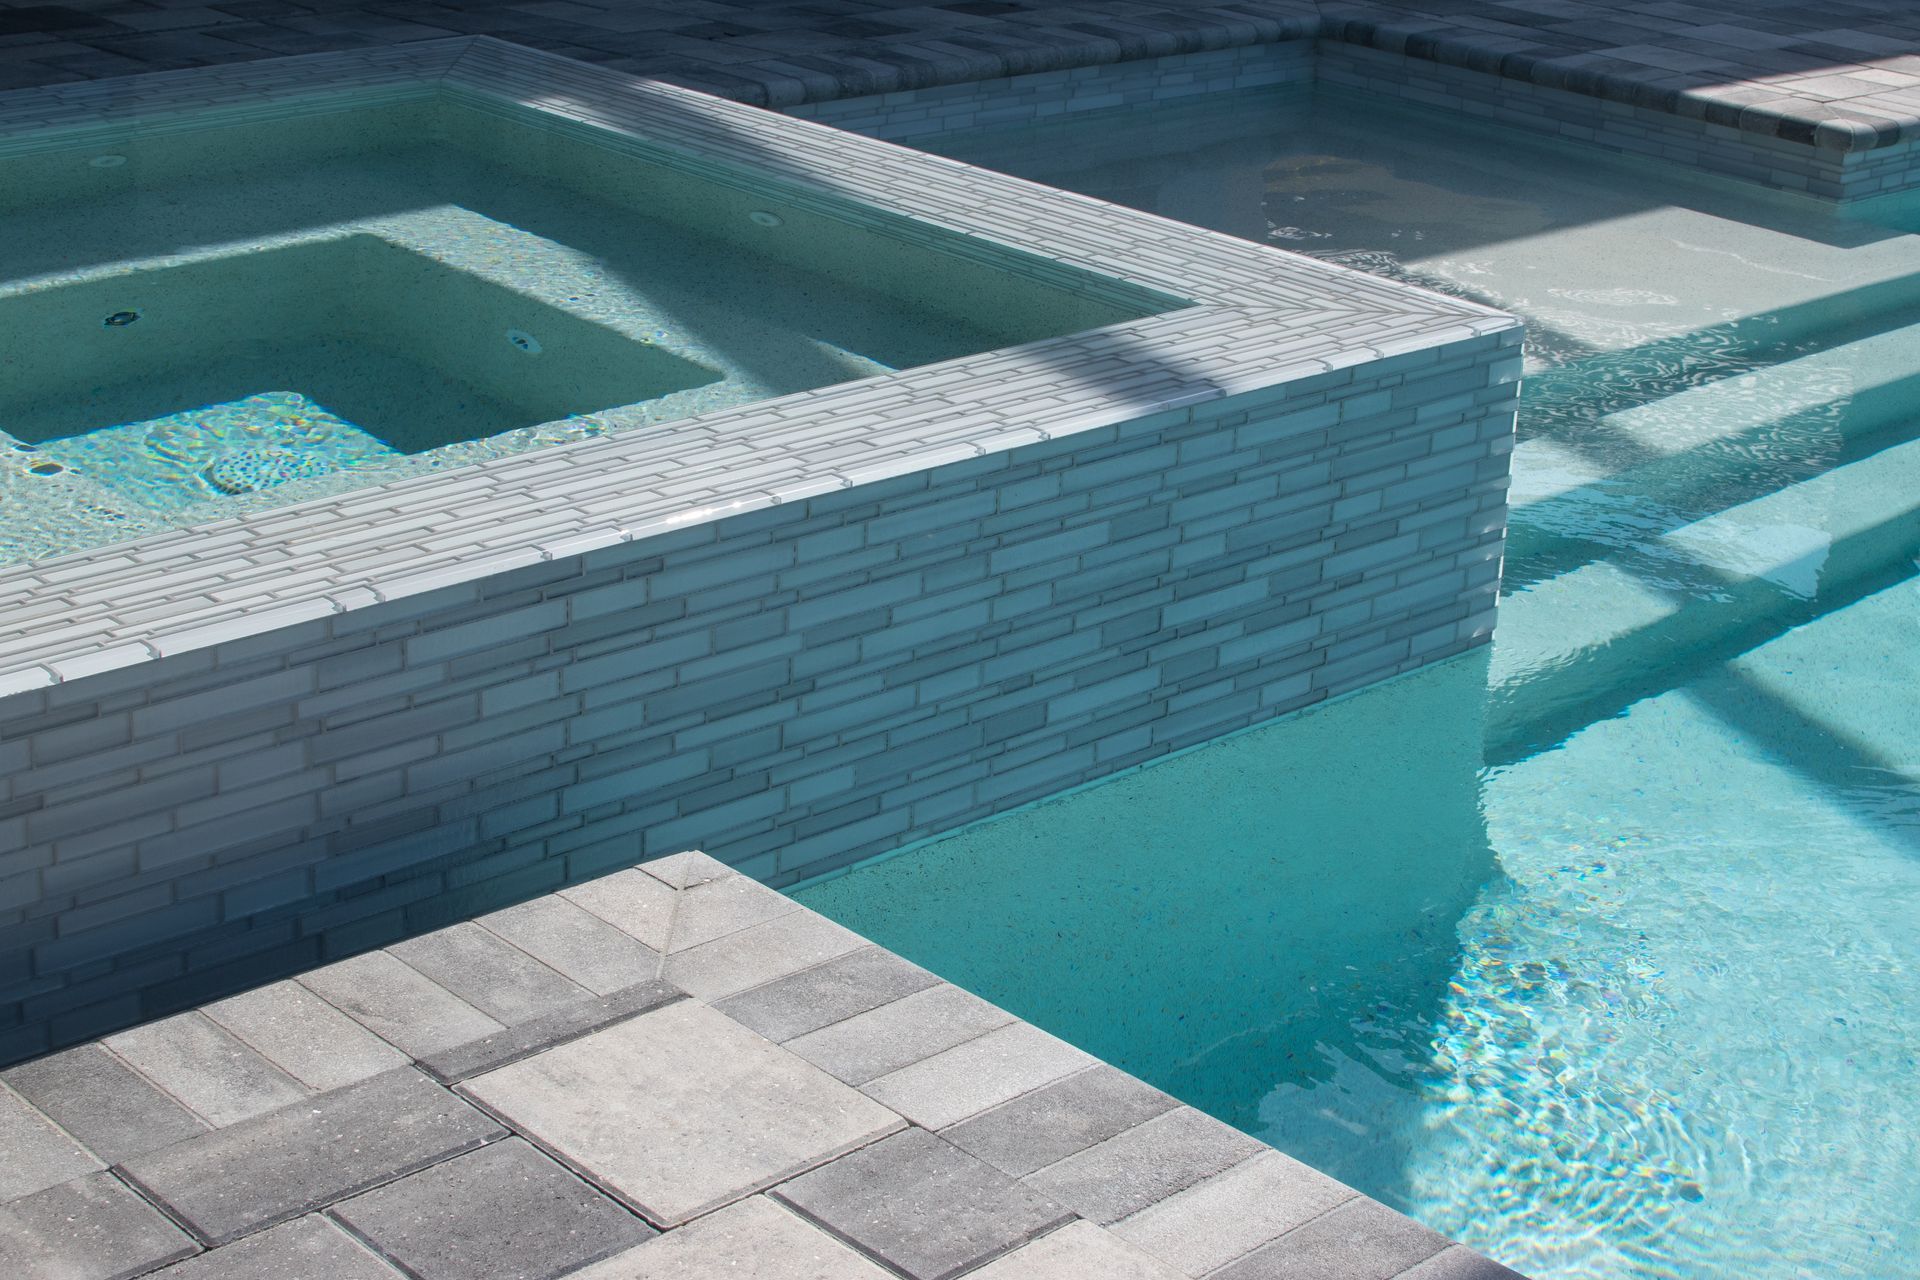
(797,633)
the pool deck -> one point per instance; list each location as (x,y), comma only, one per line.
(1845,75)
(672,1071)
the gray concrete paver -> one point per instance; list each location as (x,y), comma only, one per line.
(503,1210)
(922,1205)
(681,1110)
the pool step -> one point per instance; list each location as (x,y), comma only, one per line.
(1708,447)
(1596,637)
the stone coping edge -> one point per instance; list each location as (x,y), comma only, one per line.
(1260,318)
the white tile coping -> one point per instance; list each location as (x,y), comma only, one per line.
(1260,318)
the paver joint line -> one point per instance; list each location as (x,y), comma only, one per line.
(648,1110)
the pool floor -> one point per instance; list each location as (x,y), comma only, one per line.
(1596,951)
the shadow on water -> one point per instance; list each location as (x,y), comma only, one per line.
(1255,914)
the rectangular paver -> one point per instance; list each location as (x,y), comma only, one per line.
(827,993)
(1059,1120)
(489,973)
(1145,1164)
(504,1210)
(117,1112)
(1459,1263)
(681,1110)
(575,942)
(305,1036)
(34,1153)
(896,1035)
(201,1064)
(309,1248)
(1361,1239)
(1234,1212)
(92,1228)
(283,1164)
(1080,1250)
(736,961)
(968,1078)
(399,1004)
(923,1206)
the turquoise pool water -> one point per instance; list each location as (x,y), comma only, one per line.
(1599,950)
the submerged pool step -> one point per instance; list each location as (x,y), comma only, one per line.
(1607,632)
(1708,447)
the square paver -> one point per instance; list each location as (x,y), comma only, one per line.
(922,1205)
(1234,1212)
(900,1034)
(92,1228)
(1059,1120)
(1145,1164)
(200,1063)
(489,973)
(827,993)
(1080,1250)
(399,1004)
(504,1210)
(283,1164)
(753,1239)
(305,1036)
(1360,1240)
(37,1155)
(575,942)
(528,1038)
(968,1078)
(681,1110)
(103,1102)
(309,1248)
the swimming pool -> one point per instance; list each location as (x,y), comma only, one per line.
(1599,951)
(212,315)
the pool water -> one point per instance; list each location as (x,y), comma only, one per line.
(1599,950)
(233,315)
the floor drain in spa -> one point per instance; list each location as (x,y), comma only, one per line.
(256,469)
